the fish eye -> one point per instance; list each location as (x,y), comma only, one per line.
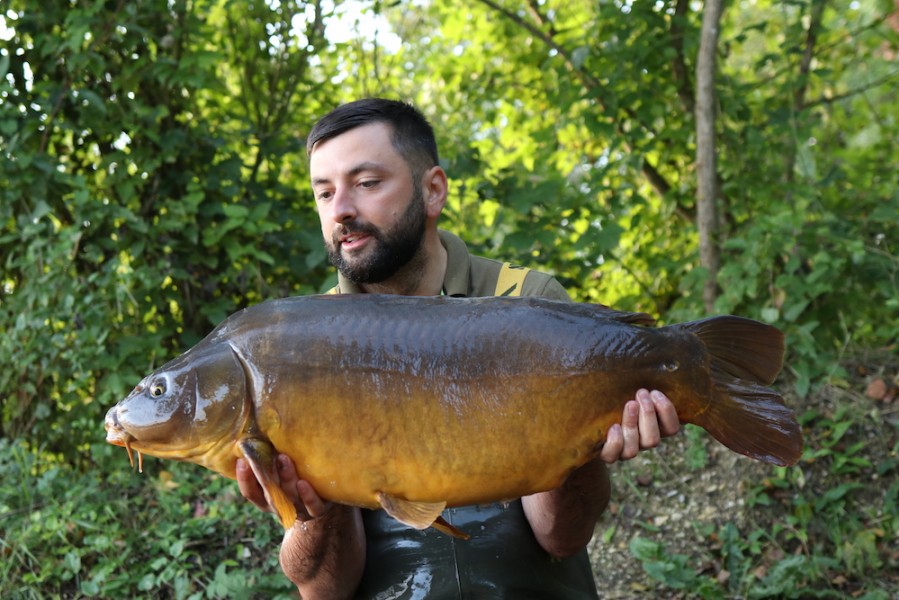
(157,389)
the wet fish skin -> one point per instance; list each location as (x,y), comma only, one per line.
(413,404)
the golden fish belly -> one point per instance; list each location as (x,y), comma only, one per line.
(495,443)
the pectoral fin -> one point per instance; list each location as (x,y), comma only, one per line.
(260,456)
(419,515)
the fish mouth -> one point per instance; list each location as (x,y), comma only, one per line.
(117,436)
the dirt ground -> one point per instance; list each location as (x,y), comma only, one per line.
(659,497)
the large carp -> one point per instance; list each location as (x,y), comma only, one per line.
(415,404)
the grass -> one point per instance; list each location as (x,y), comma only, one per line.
(688,520)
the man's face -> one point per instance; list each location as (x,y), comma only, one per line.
(372,212)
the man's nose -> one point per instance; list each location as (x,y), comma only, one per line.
(343,206)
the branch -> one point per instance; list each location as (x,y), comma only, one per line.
(679,64)
(798,106)
(854,92)
(808,53)
(591,83)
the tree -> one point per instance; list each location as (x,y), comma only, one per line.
(706,165)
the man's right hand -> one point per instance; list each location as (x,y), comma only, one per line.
(308,503)
(324,552)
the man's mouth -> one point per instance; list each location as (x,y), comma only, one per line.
(352,241)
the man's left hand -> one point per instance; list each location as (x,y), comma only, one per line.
(644,422)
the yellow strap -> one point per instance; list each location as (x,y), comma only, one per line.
(510,280)
(508,283)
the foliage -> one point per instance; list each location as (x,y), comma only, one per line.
(175,533)
(153,180)
(148,192)
(581,157)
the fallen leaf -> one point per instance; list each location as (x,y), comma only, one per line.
(877,389)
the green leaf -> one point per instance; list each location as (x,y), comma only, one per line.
(238,212)
(94,100)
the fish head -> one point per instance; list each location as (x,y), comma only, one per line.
(191,409)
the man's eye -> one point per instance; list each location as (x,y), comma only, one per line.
(369,183)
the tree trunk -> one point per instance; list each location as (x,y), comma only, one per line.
(706,164)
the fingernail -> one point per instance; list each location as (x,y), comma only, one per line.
(657,395)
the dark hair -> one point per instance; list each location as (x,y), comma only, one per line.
(412,136)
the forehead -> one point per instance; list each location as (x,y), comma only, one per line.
(369,144)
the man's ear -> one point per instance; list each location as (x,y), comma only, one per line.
(434,189)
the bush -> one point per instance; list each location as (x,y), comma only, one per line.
(176,531)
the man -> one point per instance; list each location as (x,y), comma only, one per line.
(379,191)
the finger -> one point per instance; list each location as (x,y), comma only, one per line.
(611,449)
(669,423)
(313,504)
(287,475)
(249,486)
(630,422)
(648,422)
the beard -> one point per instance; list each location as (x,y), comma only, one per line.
(393,249)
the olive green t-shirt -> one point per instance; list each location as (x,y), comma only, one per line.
(474,276)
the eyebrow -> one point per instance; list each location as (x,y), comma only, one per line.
(361,167)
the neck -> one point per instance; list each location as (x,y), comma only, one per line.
(421,276)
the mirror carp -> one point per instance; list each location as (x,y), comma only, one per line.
(413,404)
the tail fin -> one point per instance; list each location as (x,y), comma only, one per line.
(744,415)
(742,347)
(753,420)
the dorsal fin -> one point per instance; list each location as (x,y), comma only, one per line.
(633,318)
